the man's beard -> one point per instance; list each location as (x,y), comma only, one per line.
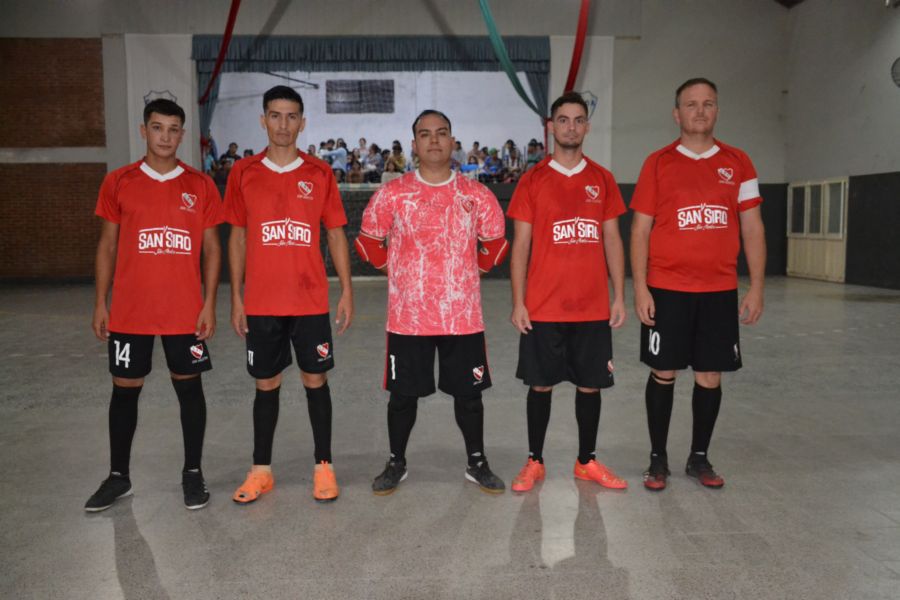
(568,146)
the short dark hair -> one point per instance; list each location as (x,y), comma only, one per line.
(430,111)
(568,98)
(282,92)
(692,82)
(163,106)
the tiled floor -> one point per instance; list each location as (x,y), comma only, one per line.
(807,439)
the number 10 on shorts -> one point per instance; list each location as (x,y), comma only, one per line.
(653,343)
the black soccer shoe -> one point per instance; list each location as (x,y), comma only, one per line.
(657,473)
(196,496)
(113,487)
(485,478)
(388,480)
(699,468)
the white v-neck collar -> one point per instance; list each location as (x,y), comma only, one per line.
(451,178)
(693,155)
(568,172)
(295,164)
(148,170)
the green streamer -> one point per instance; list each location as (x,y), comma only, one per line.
(503,56)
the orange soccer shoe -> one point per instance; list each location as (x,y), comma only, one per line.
(325,487)
(532,472)
(256,484)
(595,471)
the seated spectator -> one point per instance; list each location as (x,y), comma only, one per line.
(220,177)
(475,151)
(471,169)
(232,153)
(505,151)
(373,164)
(458,158)
(311,150)
(513,165)
(337,156)
(248,152)
(209,162)
(492,167)
(391,171)
(397,156)
(355,174)
(363,147)
(532,156)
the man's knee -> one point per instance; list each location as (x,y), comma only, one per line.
(313,380)
(267,385)
(708,379)
(127,382)
(663,377)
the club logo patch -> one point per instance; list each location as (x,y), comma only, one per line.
(304,189)
(593,193)
(467,204)
(725,175)
(478,372)
(323,350)
(189,200)
(197,351)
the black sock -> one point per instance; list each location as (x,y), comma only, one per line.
(123,413)
(705,402)
(265,418)
(469,412)
(193,419)
(401,416)
(318,401)
(659,398)
(587,414)
(537,409)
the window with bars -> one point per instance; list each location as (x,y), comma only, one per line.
(817,209)
(359,96)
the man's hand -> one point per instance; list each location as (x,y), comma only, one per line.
(617,314)
(520,320)
(344,312)
(100,322)
(238,318)
(206,323)
(751,308)
(644,306)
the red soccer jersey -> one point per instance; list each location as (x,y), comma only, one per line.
(694,200)
(567,275)
(161,219)
(432,231)
(281,208)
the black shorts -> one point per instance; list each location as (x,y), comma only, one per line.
(131,354)
(693,329)
(269,342)
(578,352)
(462,364)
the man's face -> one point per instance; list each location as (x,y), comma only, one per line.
(232,148)
(569,126)
(433,143)
(697,110)
(163,134)
(283,123)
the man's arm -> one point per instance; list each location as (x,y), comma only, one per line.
(641,225)
(104,268)
(753,233)
(340,256)
(615,262)
(237,258)
(518,268)
(212,264)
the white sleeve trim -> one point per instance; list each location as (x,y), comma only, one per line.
(749,190)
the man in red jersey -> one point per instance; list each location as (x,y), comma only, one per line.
(434,221)
(157,215)
(275,202)
(695,200)
(566,210)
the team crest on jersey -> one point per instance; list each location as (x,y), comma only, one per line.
(189,201)
(304,190)
(286,232)
(702,216)
(164,240)
(725,175)
(576,231)
(478,372)
(197,351)
(593,193)
(323,350)
(467,204)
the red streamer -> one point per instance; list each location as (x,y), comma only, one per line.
(579,45)
(226,40)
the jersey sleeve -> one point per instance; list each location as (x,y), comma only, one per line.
(378,215)
(646,190)
(615,206)
(333,214)
(489,224)
(748,194)
(520,207)
(108,201)
(235,208)
(212,209)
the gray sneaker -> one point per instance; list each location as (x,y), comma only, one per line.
(388,480)
(485,478)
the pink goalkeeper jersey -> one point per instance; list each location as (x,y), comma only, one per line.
(432,230)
